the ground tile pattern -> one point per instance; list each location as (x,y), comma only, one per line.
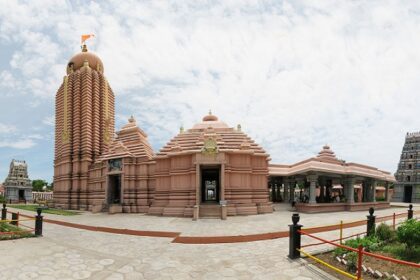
(68,253)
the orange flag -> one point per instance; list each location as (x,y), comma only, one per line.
(86,36)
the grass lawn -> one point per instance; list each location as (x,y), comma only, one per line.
(6,227)
(33,207)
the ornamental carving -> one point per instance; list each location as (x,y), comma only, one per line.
(210,146)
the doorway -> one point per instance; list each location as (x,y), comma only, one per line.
(408,192)
(210,185)
(21,194)
(114,189)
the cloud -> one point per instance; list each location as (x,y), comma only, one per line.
(19,144)
(49,120)
(295,74)
(5,129)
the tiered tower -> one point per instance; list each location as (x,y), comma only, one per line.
(407,188)
(84,127)
(17,186)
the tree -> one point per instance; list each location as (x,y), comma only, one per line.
(38,185)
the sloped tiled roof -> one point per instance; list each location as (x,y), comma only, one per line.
(227,139)
(131,141)
(326,161)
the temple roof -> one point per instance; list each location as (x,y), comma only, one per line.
(130,141)
(226,138)
(327,162)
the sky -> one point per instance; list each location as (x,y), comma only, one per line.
(295,74)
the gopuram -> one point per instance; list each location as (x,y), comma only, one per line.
(209,170)
(17,186)
(407,188)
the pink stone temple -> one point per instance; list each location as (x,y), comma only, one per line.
(209,170)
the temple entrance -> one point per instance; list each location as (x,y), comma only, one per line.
(21,195)
(114,189)
(210,185)
(408,192)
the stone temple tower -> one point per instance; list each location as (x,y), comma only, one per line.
(407,188)
(84,127)
(17,186)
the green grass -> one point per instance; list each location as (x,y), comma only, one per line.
(33,207)
(6,227)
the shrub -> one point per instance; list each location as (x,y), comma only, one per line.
(408,233)
(385,233)
(338,252)
(352,261)
(370,243)
(2,199)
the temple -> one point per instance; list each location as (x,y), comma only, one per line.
(407,188)
(17,186)
(325,183)
(209,170)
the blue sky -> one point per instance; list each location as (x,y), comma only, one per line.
(295,74)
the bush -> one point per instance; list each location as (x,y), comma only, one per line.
(338,252)
(352,261)
(385,233)
(370,243)
(2,199)
(408,233)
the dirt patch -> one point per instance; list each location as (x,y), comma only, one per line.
(376,264)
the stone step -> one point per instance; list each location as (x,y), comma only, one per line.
(210,211)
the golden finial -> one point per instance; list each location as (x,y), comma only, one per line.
(181,129)
(84,48)
(238,127)
(131,119)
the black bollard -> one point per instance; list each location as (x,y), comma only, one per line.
(4,212)
(38,222)
(410,212)
(370,222)
(15,218)
(294,237)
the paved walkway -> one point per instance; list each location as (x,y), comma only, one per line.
(69,253)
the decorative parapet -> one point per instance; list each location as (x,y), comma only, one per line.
(412,134)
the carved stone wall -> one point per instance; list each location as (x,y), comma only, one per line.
(84,128)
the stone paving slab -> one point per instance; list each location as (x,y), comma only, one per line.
(69,253)
(66,253)
(237,225)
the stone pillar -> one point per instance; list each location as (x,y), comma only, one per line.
(286,191)
(292,185)
(222,183)
(288,186)
(271,186)
(365,191)
(386,191)
(373,189)
(349,186)
(197,185)
(313,179)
